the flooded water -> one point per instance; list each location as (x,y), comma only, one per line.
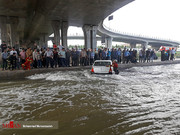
(138,101)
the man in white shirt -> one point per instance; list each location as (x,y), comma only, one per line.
(49,56)
(13,51)
(60,47)
(172,53)
(62,55)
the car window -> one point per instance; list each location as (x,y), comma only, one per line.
(102,63)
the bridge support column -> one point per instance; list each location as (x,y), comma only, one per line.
(93,37)
(43,40)
(156,47)
(144,46)
(108,42)
(3,27)
(64,30)
(90,36)
(56,27)
(87,36)
(133,45)
(14,34)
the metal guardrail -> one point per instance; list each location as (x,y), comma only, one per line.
(76,34)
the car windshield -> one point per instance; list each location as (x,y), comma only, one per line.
(102,63)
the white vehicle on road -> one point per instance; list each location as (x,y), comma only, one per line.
(102,67)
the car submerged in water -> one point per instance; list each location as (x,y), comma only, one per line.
(102,67)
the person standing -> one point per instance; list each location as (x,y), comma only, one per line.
(73,55)
(119,55)
(62,55)
(113,55)
(92,54)
(104,55)
(55,57)
(148,55)
(49,56)
(3,46)
(13,61)
(172,54)
(115,67)
(152,55)
(96,55)
(168,54)
(13,57)
(13,51)
(54,46)
(4,58)
(29,53)
(23,56)
(35,58)
(83,56)
(39,59)
(18,62)
(88,57)
(126,56)
(140,56)
(68,56)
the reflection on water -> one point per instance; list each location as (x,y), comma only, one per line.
(140,100)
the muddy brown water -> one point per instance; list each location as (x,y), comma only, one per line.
(138,101)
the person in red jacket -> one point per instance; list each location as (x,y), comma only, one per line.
(27,64)
(115,67)
(54,46)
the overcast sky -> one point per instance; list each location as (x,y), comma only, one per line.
(157,18)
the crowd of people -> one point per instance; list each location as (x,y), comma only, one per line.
(58,56)
(167,54)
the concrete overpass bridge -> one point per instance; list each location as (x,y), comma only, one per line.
(25,21)
(110,35)
(114,35)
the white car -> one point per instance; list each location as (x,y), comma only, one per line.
(102,67)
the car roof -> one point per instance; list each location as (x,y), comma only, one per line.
(103,61)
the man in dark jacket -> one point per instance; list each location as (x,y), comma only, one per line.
(68,55)
(3,46)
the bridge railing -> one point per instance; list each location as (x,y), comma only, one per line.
(75,34)
(137,35)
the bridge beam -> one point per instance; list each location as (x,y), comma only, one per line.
(64,30)
(56,27)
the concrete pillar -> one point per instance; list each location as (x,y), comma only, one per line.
(93,37)
(90,36)
(87,36)
(64,30)
(103,40)
(108,42)
(43,40)
(3,27)
(56,27)
(156,47)
(14,34)
(144,46)
(133,45)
